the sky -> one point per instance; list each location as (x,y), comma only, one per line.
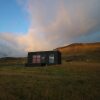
(35,25)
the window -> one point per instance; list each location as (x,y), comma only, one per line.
(51,58)
(36,58)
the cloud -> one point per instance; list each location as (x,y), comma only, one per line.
(55,23)
(10,46)
(68,21)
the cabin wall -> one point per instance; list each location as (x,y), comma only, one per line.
(47,55)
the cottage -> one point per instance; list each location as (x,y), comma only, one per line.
(43,58)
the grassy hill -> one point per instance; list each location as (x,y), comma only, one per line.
(81,52)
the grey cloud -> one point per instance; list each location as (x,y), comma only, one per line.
(9,46)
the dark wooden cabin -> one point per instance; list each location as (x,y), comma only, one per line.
(43,58)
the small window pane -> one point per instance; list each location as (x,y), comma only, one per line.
(34,56)
(38,60)
(34,60)
(38,56)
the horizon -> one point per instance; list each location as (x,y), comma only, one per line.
(34,25)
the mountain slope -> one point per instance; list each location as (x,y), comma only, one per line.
(81,51)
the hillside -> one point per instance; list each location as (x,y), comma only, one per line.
(81,51)
(12,61)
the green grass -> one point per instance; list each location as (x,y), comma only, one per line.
(69,81)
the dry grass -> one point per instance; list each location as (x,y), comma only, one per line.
(70,81)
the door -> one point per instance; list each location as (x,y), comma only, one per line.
(43,60)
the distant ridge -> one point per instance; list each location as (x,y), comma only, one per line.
(80,47)
(12,60)
(81,52)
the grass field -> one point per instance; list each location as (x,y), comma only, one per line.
(69,81)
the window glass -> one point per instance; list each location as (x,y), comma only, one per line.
(34,56)
(36,59)
(51,58)
(38,56)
